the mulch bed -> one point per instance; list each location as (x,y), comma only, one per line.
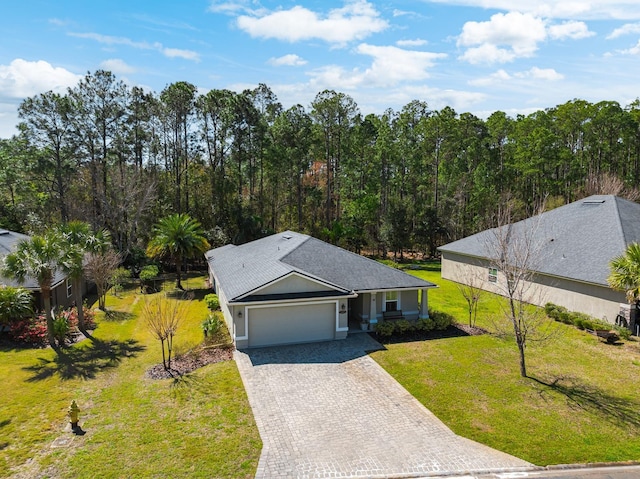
(453,331)
(190,362)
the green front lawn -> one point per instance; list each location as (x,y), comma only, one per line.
(198,426)
(580,403)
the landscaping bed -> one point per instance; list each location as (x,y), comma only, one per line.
(452,331)
(189,362)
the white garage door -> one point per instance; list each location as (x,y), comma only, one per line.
(292,324)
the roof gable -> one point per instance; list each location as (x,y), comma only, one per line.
(576,241)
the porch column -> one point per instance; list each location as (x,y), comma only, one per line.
(424,304)
(373,311)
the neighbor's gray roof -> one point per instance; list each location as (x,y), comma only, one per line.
(575,241)
(243,269)
(8,243)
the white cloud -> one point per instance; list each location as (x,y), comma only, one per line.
(111,40)
(543,74)
(392,65)
(502,38)
(572,29)
(356,20)
(418,42)
(487,53)
(561,9)
(21,78)
(501,76)
(496,77)
(287,60)
(627,29)
(178,53)
(632,51)
(117,66)
(231,8)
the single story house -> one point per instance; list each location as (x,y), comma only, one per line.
(573,247)
(61,292)
(292,288)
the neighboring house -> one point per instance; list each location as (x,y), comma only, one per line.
(574,244)
(61,293)
(292,288)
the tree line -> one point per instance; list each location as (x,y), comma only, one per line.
(119,158)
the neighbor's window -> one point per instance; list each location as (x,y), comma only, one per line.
(69,287)
(391,301)
(493,275)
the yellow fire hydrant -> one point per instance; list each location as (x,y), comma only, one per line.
(73,413)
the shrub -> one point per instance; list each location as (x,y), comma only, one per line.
(441,320)
(403,326)
(31,331)
(149,272)
(425,324)
(61,327)
(213,303)
(624,333)
(211,325)
(147,275)
(554,311)
(385,329)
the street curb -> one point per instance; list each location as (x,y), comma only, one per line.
(588,465)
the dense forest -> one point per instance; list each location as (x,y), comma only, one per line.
(120,158)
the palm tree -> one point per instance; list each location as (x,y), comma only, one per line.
(625,272)
(177,237)
(37,257)
(78,240)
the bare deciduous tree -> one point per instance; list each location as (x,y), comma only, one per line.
(472,292)
(515,251)
(99,268)
(163,316)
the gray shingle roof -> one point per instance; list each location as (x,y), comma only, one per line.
(577,241)
(245,268)
(8,242)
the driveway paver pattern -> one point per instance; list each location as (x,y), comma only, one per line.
(327,410)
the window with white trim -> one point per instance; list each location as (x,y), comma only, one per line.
(493,275)
(391,301)
(69,287)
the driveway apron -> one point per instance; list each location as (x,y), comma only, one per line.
(329,410)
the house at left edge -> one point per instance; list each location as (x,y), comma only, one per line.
(61,292)
(291,288)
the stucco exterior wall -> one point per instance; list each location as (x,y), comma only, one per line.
(598,301)
(409,304)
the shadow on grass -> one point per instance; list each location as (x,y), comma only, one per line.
(113,315)
(196,294)
(4,423)
(84,362)
(617,410)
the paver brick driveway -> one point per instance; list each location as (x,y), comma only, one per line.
(329,410)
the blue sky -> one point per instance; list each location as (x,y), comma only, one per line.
(480,56)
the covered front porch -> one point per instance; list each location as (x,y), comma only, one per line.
(371,307)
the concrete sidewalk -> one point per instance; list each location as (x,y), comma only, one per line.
(329,410)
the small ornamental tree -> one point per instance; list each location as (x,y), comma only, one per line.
(163,317)
(99,268)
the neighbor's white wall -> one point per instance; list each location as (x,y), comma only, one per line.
(597,301)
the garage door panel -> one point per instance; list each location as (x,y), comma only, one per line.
(291,324)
